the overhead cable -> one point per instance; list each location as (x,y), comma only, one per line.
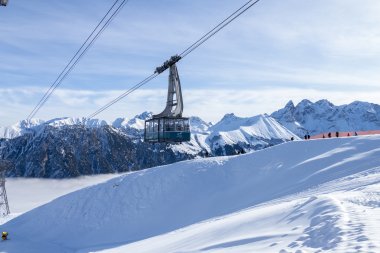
(126,93)
(187,51)
(80,53)
(218,27)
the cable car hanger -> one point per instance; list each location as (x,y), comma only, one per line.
(169,125)
(158,70)
(182,55)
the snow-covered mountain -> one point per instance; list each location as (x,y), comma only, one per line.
(302,196)
(248,133)
(133,127)
(199,126)
(75,150)
(322,117)
(69,147)
(33,125)
(233,135)
(19,128)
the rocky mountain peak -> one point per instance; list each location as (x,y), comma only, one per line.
(323,116)
(289,105)
(304,103)
(324,102)
(144,116)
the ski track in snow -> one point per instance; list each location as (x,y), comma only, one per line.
(299,197)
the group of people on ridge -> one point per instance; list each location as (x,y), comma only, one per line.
(337,134)
(329,135)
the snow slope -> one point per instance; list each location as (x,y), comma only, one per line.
(45,190)
(307,223)
(301,196)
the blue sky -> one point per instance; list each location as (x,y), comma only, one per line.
(275,52)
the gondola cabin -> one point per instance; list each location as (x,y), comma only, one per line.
(169,126)
(166,129)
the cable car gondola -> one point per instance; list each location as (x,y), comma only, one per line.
(169,125)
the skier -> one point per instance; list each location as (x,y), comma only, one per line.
(337,134)
(329,135)
(4,236)
(356,134)
(323,136)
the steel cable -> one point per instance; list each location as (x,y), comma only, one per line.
(184,53)
(62,76)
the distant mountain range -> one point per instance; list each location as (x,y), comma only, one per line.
(69,147)
(323,117)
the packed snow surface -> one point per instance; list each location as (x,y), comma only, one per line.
(301,196)
(45,190)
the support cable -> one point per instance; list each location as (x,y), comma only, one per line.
(126,93)
(177,58)
(66,71)
(219,27)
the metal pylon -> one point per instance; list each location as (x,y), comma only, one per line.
(4,206)
(174,102)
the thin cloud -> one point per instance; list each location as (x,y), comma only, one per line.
(209,104)
(279,51)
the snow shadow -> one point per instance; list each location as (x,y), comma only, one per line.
(239,242)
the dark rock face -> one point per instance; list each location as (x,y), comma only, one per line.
(75,150)
(71,150)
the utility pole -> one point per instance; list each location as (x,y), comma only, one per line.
(4,207)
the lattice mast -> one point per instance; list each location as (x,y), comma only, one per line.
(4,206)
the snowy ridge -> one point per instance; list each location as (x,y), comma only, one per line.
(229,135)
(59,122)
(19,128)
(261,126)
(136,123)
(257,132)
(322,117)
(300,195)
(25,126)
(233,134)
(199,126)
(133,126)
(305,117)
